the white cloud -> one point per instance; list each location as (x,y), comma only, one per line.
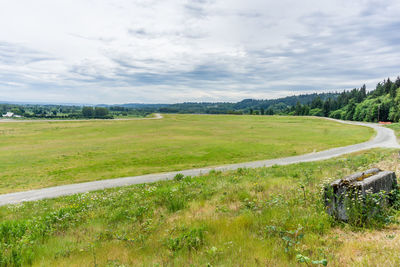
(199,50)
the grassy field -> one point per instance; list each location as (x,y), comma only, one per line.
(250,217)
(41,154)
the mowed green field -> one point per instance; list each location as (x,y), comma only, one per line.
(42,154)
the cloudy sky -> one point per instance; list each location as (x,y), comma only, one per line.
(166,51)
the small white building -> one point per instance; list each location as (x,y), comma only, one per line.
(8,115)
(11,114)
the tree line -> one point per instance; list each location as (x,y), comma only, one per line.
(96,113)
(380,104)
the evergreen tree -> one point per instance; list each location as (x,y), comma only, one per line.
(363,92)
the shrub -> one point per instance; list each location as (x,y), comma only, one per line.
(179,177)
(190,239)
(172,200)
(316,112)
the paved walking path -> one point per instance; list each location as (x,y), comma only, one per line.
(385,137)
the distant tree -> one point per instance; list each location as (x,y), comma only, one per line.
(306,110)
(363,92)
(351,110)
(298,109)
(38,111)
(393,90)
(326,107)
(17,111)
(316,112)
(88,112)
(379,90)
(316,103)
(397,82)
(337,114)
(387,85)
(270,111)
(100,112)
(262,111)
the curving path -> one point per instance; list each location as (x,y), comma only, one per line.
(385,138)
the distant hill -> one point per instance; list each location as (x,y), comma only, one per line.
(380,104)
(286,101)
(242,107)
(139,105)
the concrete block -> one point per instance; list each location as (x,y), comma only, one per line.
(363,183)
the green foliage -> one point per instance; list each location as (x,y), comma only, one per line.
(88,112)
(18,237)
(381,104)
(290,238)
(72,112)
(246,106)
(372,210)
(187,238)
(172,199)
(96,112)
(100,112)
(304,259)
(179,177)
(338,114)
(316,112)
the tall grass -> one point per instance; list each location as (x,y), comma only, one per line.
(251,217)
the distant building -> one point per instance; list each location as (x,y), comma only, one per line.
(11,114)
(8,115)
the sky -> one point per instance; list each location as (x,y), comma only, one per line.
(168,51)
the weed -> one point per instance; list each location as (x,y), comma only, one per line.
(371,210)
(291,238)
(188,238)
(174,199)
(179,177)
(304,259)
(258,188)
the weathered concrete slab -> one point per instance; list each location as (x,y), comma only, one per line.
(363,183)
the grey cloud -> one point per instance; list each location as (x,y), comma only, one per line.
(185,32)
(251,52)
(100,39)
(15,54)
